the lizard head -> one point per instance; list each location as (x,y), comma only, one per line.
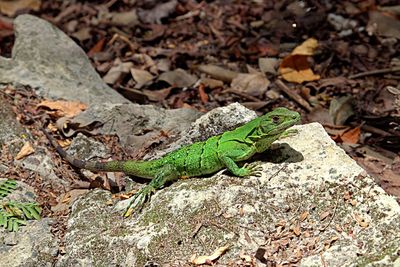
(277,121)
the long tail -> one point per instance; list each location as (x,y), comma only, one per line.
(111,166)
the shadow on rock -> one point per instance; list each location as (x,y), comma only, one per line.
(279,153)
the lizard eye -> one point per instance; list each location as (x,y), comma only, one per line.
(275,119)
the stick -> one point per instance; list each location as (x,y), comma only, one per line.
(293,95)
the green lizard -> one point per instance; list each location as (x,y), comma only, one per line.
(200,158)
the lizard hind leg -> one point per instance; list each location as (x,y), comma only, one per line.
(167,173)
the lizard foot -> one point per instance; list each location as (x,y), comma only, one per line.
(254,169)
(139,199)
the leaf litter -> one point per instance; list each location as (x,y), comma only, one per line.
(334,53)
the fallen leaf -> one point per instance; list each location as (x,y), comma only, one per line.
(321,115)
(61,108)
(347,195)
(218,73)
(66,200)
(324,214)
(178,78)
(83,34)
(328,243)
(64,143)
(202,93)
(307,48)
(383,25)
(255,84)
(297,229)
(115,72)
(97,47)
(304,216)
(6,28)
(211,83)
(341,109)
(295,67)
(361,221)
(160,11)
(127,18)
(351,136)
(157,95)
(268,64)
(26,150)
(208,259)
(10,8)
(141,77)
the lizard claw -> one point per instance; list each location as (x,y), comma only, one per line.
(138,200)
(254,169)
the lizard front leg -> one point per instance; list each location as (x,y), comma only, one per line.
(238,152)
(166,174)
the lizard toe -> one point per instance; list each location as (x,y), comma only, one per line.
(138,200)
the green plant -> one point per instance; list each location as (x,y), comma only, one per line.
(13,214)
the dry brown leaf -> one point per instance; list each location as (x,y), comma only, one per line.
(328,243)
(218,73)
(208,259)
(97,47)
(67,199)
(341,109)
(117,71)
(307,48)
(338,228)
(361,221)
(10,8)
(304,216)
(202,94)
(351,136)
(178,78)
(26,150)
(254,84)
(63,108)
(52,128)
(64,143)
(347,195)
(295,67)
(141,77)
(324,214)
(297,229)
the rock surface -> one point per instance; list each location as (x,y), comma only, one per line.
(46,59)
(312,206)
(313,201)
(34,244)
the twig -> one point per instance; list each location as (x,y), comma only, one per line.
(374,72)
(293,95)
(236,92)
(333,214)
(276,173)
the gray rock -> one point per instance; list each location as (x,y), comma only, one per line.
(41,163)
(136,124)
(303,173)
(33,245)
(86,148)
(11,131)
(46,59)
